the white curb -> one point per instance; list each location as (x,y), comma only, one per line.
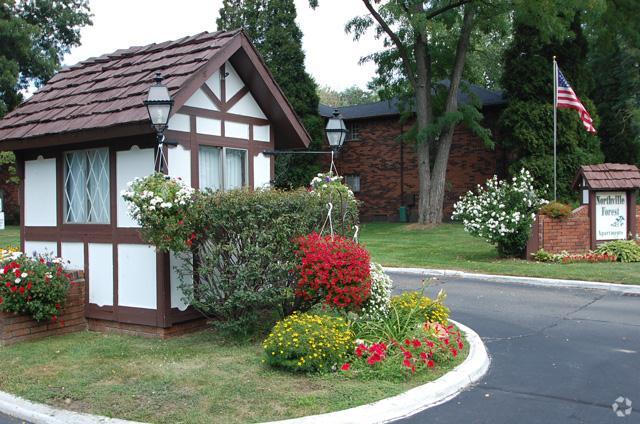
(408,403)
(445,388)
(530,281)
(37,413)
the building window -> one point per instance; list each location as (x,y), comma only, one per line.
(353,131)
(222,168)
(86,186)
(353,181)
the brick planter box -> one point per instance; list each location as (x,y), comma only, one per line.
(16,328)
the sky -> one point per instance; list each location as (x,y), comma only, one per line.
(331,54)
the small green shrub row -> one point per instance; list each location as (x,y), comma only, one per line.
(612,251)
(556,210)
(623,250)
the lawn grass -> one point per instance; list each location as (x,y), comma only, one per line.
(10,237)
(448,246)
(199,378)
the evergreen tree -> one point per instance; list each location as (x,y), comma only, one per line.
(271,26)
(615,63)
(526,125)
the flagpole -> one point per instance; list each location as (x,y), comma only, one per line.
(555,135)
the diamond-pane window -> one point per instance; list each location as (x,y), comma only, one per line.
(86,186)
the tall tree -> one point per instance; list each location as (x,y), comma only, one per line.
(271,26)
(427,41)
(615,64)
(34,36)
(526,125)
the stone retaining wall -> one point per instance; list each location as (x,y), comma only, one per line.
(16,328)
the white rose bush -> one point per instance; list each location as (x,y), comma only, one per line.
(160,205)
(501,212)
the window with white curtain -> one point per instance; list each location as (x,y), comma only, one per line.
(86,186)
(222,168)
(210,167)
(353,181)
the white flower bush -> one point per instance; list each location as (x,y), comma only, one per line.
(501,212)
(326,183)
(159,204)
(377,305)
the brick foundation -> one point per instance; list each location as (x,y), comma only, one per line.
(572,234)
(105,326)
(17,328)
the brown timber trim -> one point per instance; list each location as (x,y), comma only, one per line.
(177,316)
(212,96)
(223,116)
(592,217)
(20,174)
(163,289)
(223,82)
(131,315)
(236,98)
(631,215)
(98,312)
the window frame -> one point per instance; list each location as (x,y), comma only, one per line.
(346,177)
(350,132)
(106,201)
(223,166)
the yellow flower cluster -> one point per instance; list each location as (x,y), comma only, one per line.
(308,342)
(429,309)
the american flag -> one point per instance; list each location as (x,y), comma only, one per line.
(567,99)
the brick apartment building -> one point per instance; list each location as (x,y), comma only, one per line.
(383,172)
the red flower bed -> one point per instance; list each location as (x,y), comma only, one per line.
(335,271)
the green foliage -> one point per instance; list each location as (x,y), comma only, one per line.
(501,212)
(271,26)
(244,252)
(353,95)
(526,125)
(543,256)
(162,207)
(405,319)
(623,250)
(556,210)
(307,342)
(36,286)
(35,36)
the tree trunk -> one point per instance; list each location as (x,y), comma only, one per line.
(424,117)
(439,174)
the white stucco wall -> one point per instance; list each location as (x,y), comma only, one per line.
(261,171)
(74,253)
(214,83)
(236,130)
(247,106)
(41,247)
(101,274)
(137,276)
(180,163)
(176,282)
(179,122)
(262,133)
(233,81)
(40,193)
(208,126)
(201,100)
(129,165)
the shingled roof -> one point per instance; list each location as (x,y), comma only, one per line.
(391,107)
(615,176)
(107,91)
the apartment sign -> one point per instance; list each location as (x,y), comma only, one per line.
(611,215)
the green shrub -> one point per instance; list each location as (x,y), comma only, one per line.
(406,317)
(36,286)
(623,250)
(543,256)
(556,210)
(308,342)
(244,252)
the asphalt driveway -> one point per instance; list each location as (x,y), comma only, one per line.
(558,355)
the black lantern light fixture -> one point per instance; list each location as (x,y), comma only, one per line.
(336,131)
(159,104)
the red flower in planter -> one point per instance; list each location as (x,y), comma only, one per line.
(430,363)
(1,300)
(54,318)
(21,290)
(345,367)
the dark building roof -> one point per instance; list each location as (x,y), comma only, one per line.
(107,91)
(391,107)
(609,176)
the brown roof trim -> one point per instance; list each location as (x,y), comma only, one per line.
(92,134)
